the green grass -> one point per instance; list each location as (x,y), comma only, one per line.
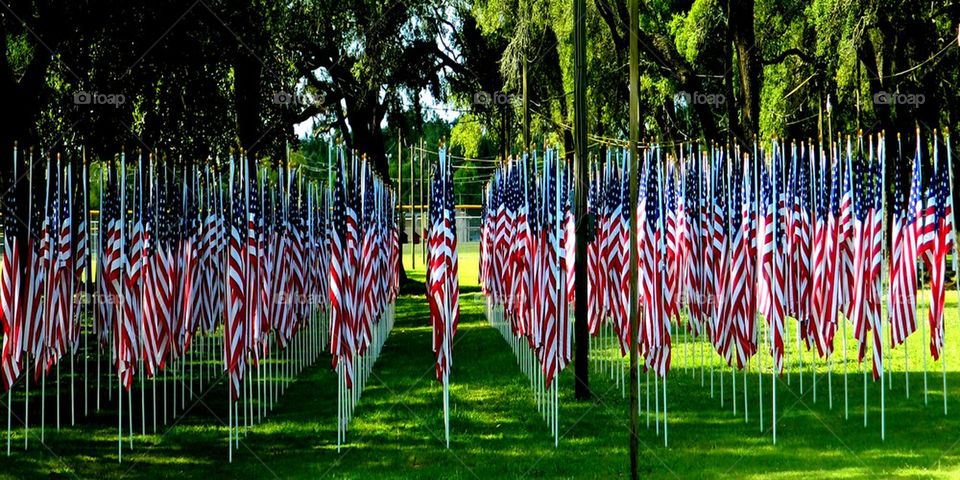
(397,430)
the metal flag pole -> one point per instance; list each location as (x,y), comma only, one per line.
(153,204)
(843,337)
(859,239)
(88,282)
(43,368)
(16,287)
(123,212)
(813,192)
(560,305)
(142,341)
(662,246)
(30,300)
(795,167)
(776,271)
(449,301)
(882,158)
(230,402)
(956,253)
(70,316)
(758,333)
(100,261)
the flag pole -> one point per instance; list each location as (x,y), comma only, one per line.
(10,390)
(99,260)
(956,253)
(88,274)
(843,337)
(26,375)
(123,211)
(633,6)
(43,367)
(662,246)
(446,314)
(72,278)
(775,273)
(230,402)
(560,305)
(882,158)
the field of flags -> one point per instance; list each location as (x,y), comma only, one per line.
(184,275)
(746,252)
(178,277)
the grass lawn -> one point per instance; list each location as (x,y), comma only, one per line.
(397,430)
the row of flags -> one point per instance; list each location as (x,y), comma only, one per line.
(527,254)
(188,249)
(725,240)
(43,261)
(364,245)
(252,254)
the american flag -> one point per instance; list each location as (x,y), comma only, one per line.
(442,288)
(56,240)
(820,257)
(108,274)
(830,306)
(151,329)
(549,281)
(717,253)
(694,213)
(11,306)
(876,254)
(937,240)
(735,321)
(236,285)
(125,336)
(903,275)
(845,235)
(777,312)
(38,246)
(368,268)
(568,250)
(81,252)
(595,275)
(616,251)
(163,267)
(341,326)
(191,254)
(862,254)
(674,236)
(655,330)
(353,248)
(133,272)
(254,308)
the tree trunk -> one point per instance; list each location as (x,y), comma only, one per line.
(581,172)
(748,68)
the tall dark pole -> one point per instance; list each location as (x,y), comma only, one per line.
(634,11)
(580,332)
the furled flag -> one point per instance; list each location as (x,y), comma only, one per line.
(936,241)
(442,282)
(11,313)
(341,326)
(236,286)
